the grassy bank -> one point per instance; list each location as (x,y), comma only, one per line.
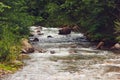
(13,66)
(8,68)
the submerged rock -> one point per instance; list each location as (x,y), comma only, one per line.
(49,36)
(52,52)
(41,50)
(73,46)
(72,51)
(35,39)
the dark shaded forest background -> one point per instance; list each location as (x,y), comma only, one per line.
(97,18)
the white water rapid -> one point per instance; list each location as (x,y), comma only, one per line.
(74,58)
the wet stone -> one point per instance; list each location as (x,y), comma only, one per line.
(58,63)
(52,52)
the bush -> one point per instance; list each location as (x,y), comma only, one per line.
(9,46)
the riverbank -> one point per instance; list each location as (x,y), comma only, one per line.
(9,68)
(68,58)
(6,69)
(84,64)
(12,67)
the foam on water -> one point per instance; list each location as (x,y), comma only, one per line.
(85,63)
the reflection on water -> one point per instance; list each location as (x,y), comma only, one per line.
(74,59)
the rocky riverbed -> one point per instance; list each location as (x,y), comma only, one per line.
(69,57)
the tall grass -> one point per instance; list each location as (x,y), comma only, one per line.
(9,46)
(117,29)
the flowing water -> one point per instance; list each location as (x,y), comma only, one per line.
(69,57)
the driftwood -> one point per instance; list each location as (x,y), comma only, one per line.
(100,45)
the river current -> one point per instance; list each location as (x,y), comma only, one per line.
(68,57)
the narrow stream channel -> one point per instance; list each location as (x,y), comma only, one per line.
(72,58)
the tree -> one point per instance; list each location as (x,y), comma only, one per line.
(14,24)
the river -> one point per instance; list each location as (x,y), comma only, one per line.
(69,57)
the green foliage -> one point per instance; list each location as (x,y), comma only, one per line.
(97,18)
(9,46)
(10,67)
(117,28)
(93,16)
(2,7)
(14,22)
(7,67)
(17,17)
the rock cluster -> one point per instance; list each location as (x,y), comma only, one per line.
(26,46)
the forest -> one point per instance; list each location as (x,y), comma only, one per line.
(98,19)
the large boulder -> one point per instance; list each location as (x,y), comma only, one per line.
(65,31)
(26,46)
(116,46)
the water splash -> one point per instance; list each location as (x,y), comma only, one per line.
(74,59)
